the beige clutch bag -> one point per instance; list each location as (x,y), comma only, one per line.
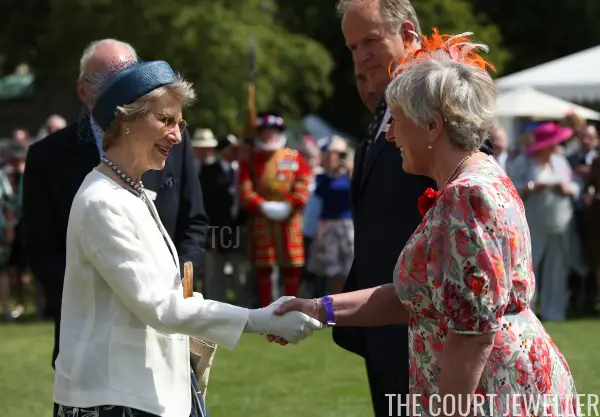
(202,352)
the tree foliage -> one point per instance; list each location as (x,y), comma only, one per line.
(317,19)
(206,40)
(540,31)
(302,62)
(457,16)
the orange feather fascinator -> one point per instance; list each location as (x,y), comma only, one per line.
(458,47)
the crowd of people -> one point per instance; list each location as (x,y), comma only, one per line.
(566,270)
(15,280)
(227,274)
(552,168)
(231,273)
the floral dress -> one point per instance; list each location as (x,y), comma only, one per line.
(467,269)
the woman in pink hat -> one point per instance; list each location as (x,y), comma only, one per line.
(545,181)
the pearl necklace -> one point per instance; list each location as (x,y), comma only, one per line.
(462,161)
(137,186)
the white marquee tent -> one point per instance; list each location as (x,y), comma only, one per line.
(528,102)
(575,77)
(319,128)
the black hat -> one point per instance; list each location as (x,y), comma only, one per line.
(270,120)
(226,141)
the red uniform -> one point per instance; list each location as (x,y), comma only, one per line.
(282,176)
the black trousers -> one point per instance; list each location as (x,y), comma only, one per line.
(307,276)
(584,287)
(387,381)
(319,283)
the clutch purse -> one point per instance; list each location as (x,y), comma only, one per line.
(202,352)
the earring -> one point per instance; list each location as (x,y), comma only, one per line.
(127,131)
(429,147)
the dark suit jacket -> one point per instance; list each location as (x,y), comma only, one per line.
(220,185)
(384,203)
(55,169)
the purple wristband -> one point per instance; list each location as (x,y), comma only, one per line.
(328,304)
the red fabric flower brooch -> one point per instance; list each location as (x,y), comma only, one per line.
(427,200)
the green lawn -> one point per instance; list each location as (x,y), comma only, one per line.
(315,378)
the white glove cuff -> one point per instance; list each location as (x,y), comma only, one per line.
(256,322)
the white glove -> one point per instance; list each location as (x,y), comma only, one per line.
(292,327)
(275,210)
(267,209)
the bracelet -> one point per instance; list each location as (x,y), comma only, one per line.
(328,304)
(316,308)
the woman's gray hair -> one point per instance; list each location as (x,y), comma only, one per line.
(463,94)
(183,90)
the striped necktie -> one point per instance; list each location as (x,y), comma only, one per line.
(374,126)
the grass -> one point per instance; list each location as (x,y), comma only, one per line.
(313,379)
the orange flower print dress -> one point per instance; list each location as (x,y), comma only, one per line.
(467,269)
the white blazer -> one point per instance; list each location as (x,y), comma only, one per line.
(124,318)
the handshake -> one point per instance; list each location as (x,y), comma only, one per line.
(287,320)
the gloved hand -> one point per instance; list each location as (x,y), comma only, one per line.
(292,327)
(275,210)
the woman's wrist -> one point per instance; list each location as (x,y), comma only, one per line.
(320,313)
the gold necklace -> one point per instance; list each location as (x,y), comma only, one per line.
(462,161)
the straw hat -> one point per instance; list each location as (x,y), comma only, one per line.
(548,134)
(204,138)
(337,144)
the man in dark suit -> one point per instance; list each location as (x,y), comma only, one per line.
(383,196)
(584,285)
(56,167)
(218,178)
(370,98)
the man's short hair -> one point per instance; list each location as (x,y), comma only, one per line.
(395,12)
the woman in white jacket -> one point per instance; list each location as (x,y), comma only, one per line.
(124,349)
